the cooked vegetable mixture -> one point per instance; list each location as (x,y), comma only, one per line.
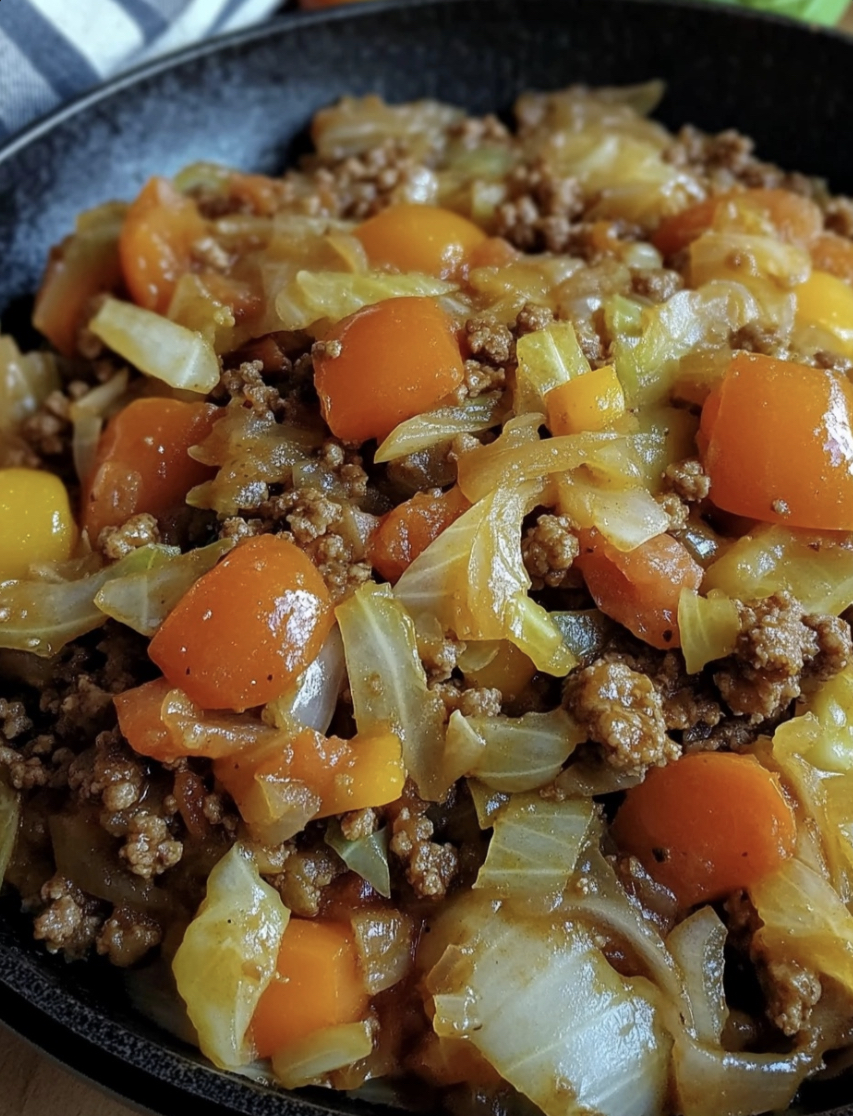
(424,589)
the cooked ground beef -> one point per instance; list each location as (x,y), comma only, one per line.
(127,936)
(549,548)
(622,711)
(688,480)
(70,921)
(430,866)
(777,645)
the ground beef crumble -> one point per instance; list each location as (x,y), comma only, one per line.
(430,866)
(621,710)
(777,646)
(149,849)
(126,936)
(549,549)
(70,921)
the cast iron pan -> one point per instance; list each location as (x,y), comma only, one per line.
(245,101)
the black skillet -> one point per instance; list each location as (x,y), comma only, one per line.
(245,101)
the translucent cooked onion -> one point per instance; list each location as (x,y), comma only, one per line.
(357,124)
(228,956)
(87,416)
(749,1083)
(308,1060)
(535,846)
(165,350)
(314,698)
(385,940)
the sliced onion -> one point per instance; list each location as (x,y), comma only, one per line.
(87,416)
(314,698)
(696,945)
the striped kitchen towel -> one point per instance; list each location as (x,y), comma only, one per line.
(51,50)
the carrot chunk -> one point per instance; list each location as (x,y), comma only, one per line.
(778,443)
(156,243)
(317,984)
(420,238)
(640,588)
(407,530)
(140,720)
(142,463)
(796,219)
(247,628)
(396,360)
(707,825)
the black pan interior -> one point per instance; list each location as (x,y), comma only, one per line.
(246,102)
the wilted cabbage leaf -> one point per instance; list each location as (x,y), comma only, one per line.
(228,957)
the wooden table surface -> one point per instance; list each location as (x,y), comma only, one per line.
(31,1085)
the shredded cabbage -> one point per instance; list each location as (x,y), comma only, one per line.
(252,451)
(357,124)
(816,569)
(10,816)
(308,1060)
(539,1001)
(423,431)
(805,921)
(832,705)
(535,846)
(331,295)
(228,956)
(512,753)
(487,802)
(627,518)
(546,358)
(165,350)
(388,683)
(366,856)
(472,578)
(87,416)
(709,627)
(143,600)
(26,380)
(697,945)
(41,616)
(384,941)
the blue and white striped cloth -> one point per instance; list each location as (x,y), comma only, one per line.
(51,50)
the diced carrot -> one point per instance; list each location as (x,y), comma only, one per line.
(834,254)
(344,774)
(779,445)
(707,825)
(592,401)
(492,252)
(795,218)
(396,360)
(84,265)
(420,238)
(407,530)
(509,671)
(247,628)
(156,243)
(640,589)
(140,720)
(142,463)
(317,984)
